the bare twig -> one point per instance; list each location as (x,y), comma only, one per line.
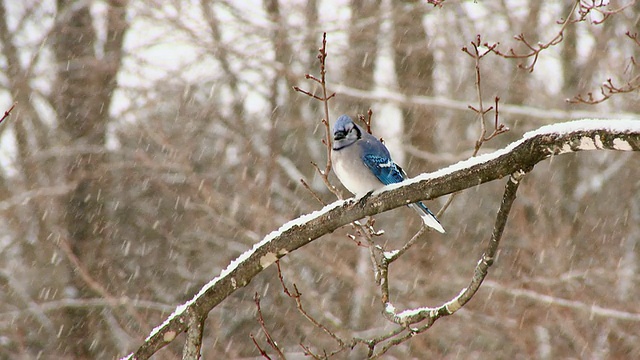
(281,278)
(342,344)
(446,205)
(633,37)
(296,295)
(322,56)
(535,50)
(436,3)
(492,248)
(308,93)
(498,128)
(356,241)
(274,346)
(313,193)
(8,112)
(367,121)
(607,90)
(262,352)
(394,255)
(586,7)
(307,351)
(367,231)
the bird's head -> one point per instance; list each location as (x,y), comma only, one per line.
(345,132)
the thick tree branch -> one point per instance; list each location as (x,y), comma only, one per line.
(520,156)
(193,344)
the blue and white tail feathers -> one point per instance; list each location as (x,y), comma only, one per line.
(427,216)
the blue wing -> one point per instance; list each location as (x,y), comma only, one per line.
(383,168)
(376,157)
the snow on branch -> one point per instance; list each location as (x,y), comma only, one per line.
(518,157)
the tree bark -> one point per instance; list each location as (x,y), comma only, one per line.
(85,84)
(414,65)
(363,33)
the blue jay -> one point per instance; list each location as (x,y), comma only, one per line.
(363,164)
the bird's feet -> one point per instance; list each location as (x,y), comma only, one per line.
(363,199)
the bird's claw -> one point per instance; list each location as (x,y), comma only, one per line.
(362,201)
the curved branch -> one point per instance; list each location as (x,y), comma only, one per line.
(412,316)
(523,155)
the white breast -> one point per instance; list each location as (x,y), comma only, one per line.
(352,173)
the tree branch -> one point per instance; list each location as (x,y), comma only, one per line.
(440,102)
(193,344)
(7,113)
(413,316)
(519,156)
(592,309)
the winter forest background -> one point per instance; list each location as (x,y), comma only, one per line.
(154,141)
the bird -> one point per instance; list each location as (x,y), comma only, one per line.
(363,164)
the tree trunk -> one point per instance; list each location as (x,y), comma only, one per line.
(414,66)
(85,85)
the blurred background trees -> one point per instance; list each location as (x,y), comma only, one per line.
(153,142)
